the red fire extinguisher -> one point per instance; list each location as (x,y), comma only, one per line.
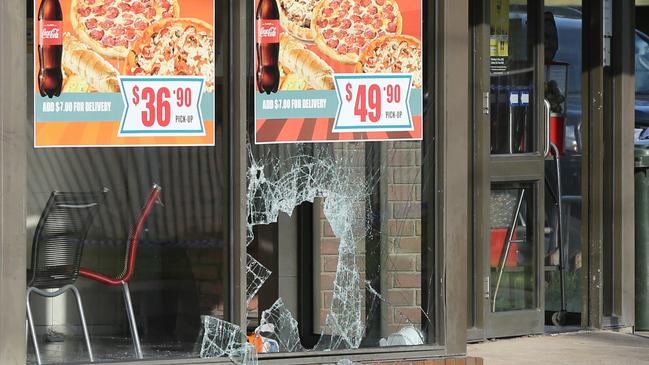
(555,93)
(557,128)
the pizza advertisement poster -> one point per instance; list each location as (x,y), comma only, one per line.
(134,73)
(349,70)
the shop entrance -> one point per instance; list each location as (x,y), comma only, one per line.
(528,147)
(511,144)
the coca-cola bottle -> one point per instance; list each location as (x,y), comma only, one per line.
(50,48)
(267,46)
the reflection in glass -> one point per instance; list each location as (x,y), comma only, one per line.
(511,248)
(180,270)
(511,93)
(569,26)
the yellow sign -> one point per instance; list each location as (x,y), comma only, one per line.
(499,38)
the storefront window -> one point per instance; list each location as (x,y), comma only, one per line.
(338,255)
(339,252)
(511,255)
(359,208)
(180,269)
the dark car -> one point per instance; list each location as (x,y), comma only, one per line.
(569,34)
(641,80)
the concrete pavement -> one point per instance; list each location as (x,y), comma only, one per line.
(583,347)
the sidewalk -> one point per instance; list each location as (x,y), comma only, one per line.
(583,347)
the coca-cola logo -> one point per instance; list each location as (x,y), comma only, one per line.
(268,31)
(51,32)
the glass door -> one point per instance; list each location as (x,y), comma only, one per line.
(510,148)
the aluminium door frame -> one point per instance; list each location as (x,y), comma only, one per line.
(488,169)
(613,192)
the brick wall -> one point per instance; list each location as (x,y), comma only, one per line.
(354,158)
(402,258)
(401,238)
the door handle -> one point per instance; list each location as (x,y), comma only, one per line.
(546,115)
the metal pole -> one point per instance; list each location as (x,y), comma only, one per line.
(503,257)
(510,131)
(84,326)
(30,320)
(131,320)
(562,278)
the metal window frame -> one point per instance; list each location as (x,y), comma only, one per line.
(451,190)
(623,197)
(607,168)
(13,112)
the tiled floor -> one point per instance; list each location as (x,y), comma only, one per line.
(561,329)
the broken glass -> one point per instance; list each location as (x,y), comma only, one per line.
(277,323)
(359,200)
(280,184)
(220,338)
(257,274)
(245,355)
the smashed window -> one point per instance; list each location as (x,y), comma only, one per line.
(370,276)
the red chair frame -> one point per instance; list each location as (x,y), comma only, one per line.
(129,265)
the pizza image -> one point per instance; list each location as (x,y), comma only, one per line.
(110,27)
(295,17)
(85,64)
(345,27)
(174,47)
(393,54)
(76,84)
(295,57)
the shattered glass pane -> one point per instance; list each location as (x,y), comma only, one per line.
(368,257)
(257,274)
(220,338)
(408,335)
(249,355)
(277,323)
(344,323)
(302,178)
(245,355)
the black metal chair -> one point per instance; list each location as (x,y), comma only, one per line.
(56,251)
